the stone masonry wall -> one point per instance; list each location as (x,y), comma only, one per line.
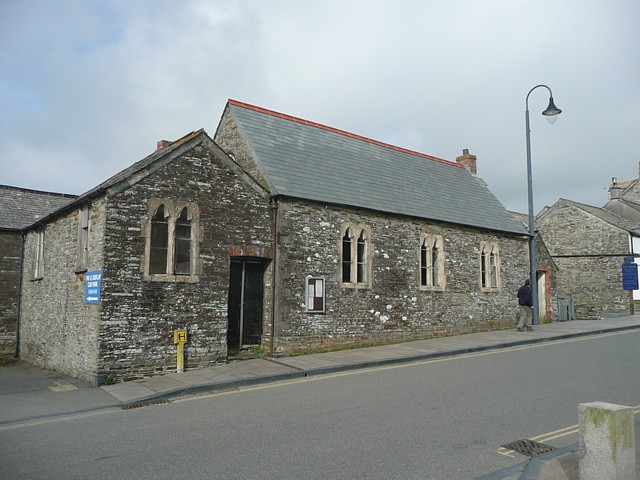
(9,284)
(394,309)
(57,330)
(139,316)
(589,254)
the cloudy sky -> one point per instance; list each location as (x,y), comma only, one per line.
(88,87)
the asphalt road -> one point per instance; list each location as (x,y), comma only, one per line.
(439,419)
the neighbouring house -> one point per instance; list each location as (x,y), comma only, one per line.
(278,235)
(19,208)
(589,245)
(546,273)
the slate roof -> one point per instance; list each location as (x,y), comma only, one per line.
(607,216)
(20,207)
(310,161)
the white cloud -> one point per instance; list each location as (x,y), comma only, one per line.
(93,86)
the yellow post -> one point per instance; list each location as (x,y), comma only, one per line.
(179,339)
(181,357)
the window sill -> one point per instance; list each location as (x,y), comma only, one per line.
(171,278)
(356,286)
(439,288)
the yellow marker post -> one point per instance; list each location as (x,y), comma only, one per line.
(179,339)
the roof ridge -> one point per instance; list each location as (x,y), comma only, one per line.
(340,132)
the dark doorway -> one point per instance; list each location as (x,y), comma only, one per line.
(246,286)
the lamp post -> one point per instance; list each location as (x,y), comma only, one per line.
(551,112)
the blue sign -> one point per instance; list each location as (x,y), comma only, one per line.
(629,275)
(92,285)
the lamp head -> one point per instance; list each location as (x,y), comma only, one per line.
(551,112)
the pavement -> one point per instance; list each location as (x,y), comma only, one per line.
(28,393)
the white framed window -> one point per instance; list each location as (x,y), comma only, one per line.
(356,255)
(84,219)
(432,274)
(38,269)
(489,266)
(315,294)
(172,241)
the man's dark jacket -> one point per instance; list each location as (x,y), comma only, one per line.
(524,296)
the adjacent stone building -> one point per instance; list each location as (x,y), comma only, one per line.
(282,235)
(19,208)
(589,244)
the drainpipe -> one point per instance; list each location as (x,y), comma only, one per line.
(273,205)
(19,299)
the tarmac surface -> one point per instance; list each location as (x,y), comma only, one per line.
(29,393)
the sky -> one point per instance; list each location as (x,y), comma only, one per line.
(88,87)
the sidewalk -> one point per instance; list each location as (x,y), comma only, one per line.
(261,370)
(28,393)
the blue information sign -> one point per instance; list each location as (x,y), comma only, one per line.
(629,274)
(92,285)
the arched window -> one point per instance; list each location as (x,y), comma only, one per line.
(424,264)
(171,251)
(489,266)
(159,242)
(355,252)
(493,269)
(182,244)
(346,257)
(362,259)
(435,264)
(431,262)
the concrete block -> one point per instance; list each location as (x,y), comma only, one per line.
(607,442)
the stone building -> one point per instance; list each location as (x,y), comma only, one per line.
(589,244)
(19,208)
(282,235)
(546,273)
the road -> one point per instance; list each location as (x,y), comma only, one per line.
(438,419)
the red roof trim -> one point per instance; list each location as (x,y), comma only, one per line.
(341,132)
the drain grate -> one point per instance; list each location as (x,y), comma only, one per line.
(528,447)
(150,403)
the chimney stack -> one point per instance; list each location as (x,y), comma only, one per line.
(468,160)
(162,144)
(614,189)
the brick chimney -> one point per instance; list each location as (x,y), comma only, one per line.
(468,160)
(162,144)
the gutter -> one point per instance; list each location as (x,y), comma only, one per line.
(273,205)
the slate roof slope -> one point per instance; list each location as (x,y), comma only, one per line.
(310,161)
(20,207)
(607,216)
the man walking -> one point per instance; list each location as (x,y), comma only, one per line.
(525,303)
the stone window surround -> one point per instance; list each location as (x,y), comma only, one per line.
(355,231)
(172,210)
(429,240)
(490,251)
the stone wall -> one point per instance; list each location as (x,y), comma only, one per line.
(139,317)
(58,330)
(589,253)
(394,309)
(9,284)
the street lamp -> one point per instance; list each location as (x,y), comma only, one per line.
(551,113)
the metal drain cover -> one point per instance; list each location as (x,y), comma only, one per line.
(528,447)
(150,403)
